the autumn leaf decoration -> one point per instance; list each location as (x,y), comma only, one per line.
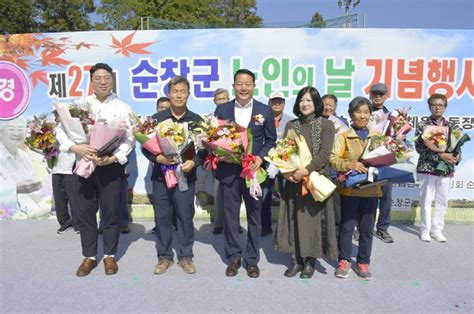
(34,52)
(126,47)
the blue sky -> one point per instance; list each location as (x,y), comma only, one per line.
(440,14)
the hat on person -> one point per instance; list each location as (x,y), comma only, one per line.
(277,94)
(379,88)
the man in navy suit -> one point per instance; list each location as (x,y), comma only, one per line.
(247,112)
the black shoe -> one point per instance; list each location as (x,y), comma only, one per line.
(124,230)
(294,269)
(356,235)
(77,230)
(308,269)
(217,231)
(384,236)
(266,232)
(153,230)
(241,230)
(64,228)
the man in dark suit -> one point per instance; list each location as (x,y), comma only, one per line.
(247,112)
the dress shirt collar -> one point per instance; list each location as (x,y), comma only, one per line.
(248,105)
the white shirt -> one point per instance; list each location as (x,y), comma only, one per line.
(16,166)
(243,113)
(112,110)
(66,158)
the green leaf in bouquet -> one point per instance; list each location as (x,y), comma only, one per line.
(261,175)
(52,162)
(444,168)
(141,138)
(220,152)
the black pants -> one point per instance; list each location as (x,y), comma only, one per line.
(168,203)
(357,211)
(230,194)
(64,193)
(385,207)
(267,201)
(102,189)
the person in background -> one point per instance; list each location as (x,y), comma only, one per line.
(433,185)
(330,106)
(378,96)
(277,103)
(244,110)
(359,206)
(169,202)
(221,96)
(306,228)
(64,192)
(162,103)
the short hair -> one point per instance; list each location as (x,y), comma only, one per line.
(220,91)
(315,96)
(330,96)
(162,99)
(178,80)
(244,71)
(438,96)
(100,66)
(358,102)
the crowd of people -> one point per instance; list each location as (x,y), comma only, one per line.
(307,229)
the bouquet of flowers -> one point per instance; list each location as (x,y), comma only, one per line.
(234,143)
(76,120)
(105,138)
(435,138)
(402,149)
(379,121)
(42,139)
(144,132)
(456,140)
(377,153)
(290,153)
(339,124)
(399,125)
(201,128)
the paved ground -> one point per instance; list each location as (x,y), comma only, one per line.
(38,275)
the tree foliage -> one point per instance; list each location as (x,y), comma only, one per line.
(125,14)
(18,16)
(317,21)
(65,15)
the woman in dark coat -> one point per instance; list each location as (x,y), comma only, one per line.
(306,228)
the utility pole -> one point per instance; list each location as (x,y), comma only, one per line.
(347,8)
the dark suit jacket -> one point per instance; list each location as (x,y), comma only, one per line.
(264,136)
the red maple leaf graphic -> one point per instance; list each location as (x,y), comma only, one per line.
(83,44)
(51,57)
(39,75)
(126,47)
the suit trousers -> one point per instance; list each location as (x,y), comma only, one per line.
(64,193)
(102,189)
(232,191)
(267,201)
(437,188)
(357,211)
(168,203)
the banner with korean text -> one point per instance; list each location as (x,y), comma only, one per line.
(37,70)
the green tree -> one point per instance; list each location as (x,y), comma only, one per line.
(125,14)
(65,15)
(18,16)
(317,21)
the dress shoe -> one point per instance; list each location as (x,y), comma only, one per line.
(162,266)
(293,270)
(187,265)
(110,265)
(253,271)
(233,268)
(217,231)
(87,265)
(125,230)
(308,269)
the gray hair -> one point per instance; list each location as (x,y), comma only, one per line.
(5,123)
(220,91)
(178,80)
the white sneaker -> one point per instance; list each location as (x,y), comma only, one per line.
(439,236)
(425,236)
